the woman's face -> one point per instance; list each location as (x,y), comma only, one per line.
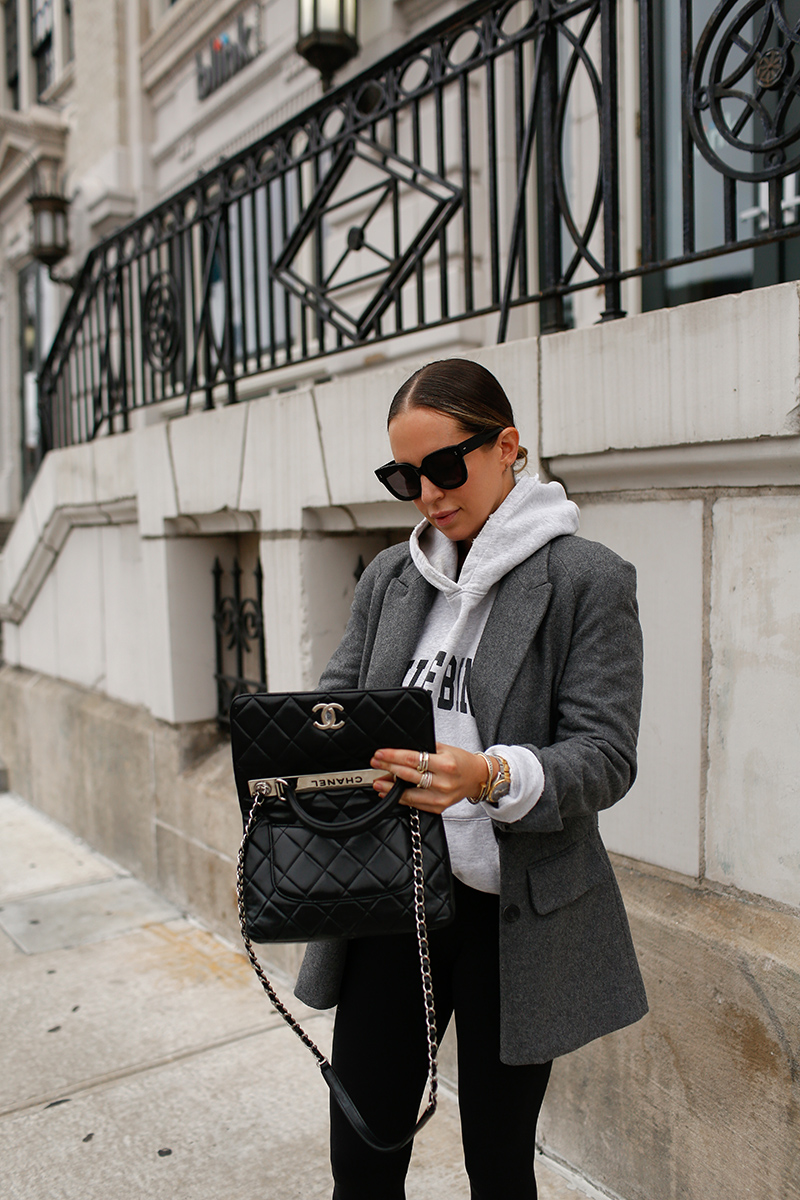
(460,512)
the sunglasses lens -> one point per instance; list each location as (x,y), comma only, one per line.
(403,482)
(446,469)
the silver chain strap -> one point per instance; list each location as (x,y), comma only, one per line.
(424,961)
(422,942)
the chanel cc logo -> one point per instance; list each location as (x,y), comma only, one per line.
(328,717)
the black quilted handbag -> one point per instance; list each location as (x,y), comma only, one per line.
(323,856)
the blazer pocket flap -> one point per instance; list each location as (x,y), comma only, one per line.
(556,882)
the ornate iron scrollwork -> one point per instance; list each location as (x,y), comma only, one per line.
(748,84)
(239,628)
(161,324)
(365,178)
(473,171)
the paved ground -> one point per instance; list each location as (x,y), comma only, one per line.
(140,1058)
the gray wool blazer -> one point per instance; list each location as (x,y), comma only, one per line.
(559,670)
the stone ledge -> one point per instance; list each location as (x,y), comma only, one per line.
(765,462)
(725,369)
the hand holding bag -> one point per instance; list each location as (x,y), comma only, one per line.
(323,856)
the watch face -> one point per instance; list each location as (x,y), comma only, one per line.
(501,789)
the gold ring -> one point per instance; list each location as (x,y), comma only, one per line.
(422,765)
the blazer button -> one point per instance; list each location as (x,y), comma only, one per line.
(511,913)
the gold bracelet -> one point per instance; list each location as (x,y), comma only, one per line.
(500,785)
(487,787)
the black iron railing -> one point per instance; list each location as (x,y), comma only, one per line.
(444,183)
(239,637)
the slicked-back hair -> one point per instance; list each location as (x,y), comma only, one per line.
(461,389)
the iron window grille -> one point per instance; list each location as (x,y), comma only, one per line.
(239,637)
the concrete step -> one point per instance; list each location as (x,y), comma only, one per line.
(141,1057)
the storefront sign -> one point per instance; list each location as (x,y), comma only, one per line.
(228,53)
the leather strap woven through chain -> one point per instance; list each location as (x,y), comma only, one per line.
(328,1074)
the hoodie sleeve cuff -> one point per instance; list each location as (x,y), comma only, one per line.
(527,784)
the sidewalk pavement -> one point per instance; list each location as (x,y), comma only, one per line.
(141,1058)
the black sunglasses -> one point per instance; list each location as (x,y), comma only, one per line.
(445,468)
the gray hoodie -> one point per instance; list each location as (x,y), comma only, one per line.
(532,514)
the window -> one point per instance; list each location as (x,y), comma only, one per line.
(12,51)
(42,44)
(38,321)
(69,30)
(30,304)
(776,262)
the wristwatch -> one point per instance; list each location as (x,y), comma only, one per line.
(500,785)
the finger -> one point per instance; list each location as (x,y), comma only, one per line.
(408,773)
(390,759)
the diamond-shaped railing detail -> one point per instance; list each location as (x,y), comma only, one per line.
(374,215)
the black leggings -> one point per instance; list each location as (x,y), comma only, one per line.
(379,1053)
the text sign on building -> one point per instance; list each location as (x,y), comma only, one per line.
(228,52)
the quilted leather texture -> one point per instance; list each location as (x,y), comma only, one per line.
(305,886)
(301,886)
(274,734)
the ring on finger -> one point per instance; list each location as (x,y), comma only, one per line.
(425,781)
(422,765)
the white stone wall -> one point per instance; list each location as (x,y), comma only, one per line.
(678,434)
(753,833)
(106,578)
(659,819)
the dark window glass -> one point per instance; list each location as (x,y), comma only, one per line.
(42,43)
(69,26)
(41,22)
(30,322)
(776,262)
(12,50)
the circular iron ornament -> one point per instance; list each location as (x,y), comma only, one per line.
(747,87)
(771,67)
(161,328)
(241,625)
(250,622)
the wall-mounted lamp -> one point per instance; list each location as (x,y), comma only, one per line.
(50,239)
(327,35)
(50,234)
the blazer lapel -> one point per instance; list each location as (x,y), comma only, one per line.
(405,606)
(519,608)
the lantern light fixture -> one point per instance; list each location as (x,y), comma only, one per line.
(327,35)
(50,234)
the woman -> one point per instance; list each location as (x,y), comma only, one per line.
(529,641)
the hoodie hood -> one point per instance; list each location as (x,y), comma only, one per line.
(532,514)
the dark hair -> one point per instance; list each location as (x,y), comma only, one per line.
(463,390)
